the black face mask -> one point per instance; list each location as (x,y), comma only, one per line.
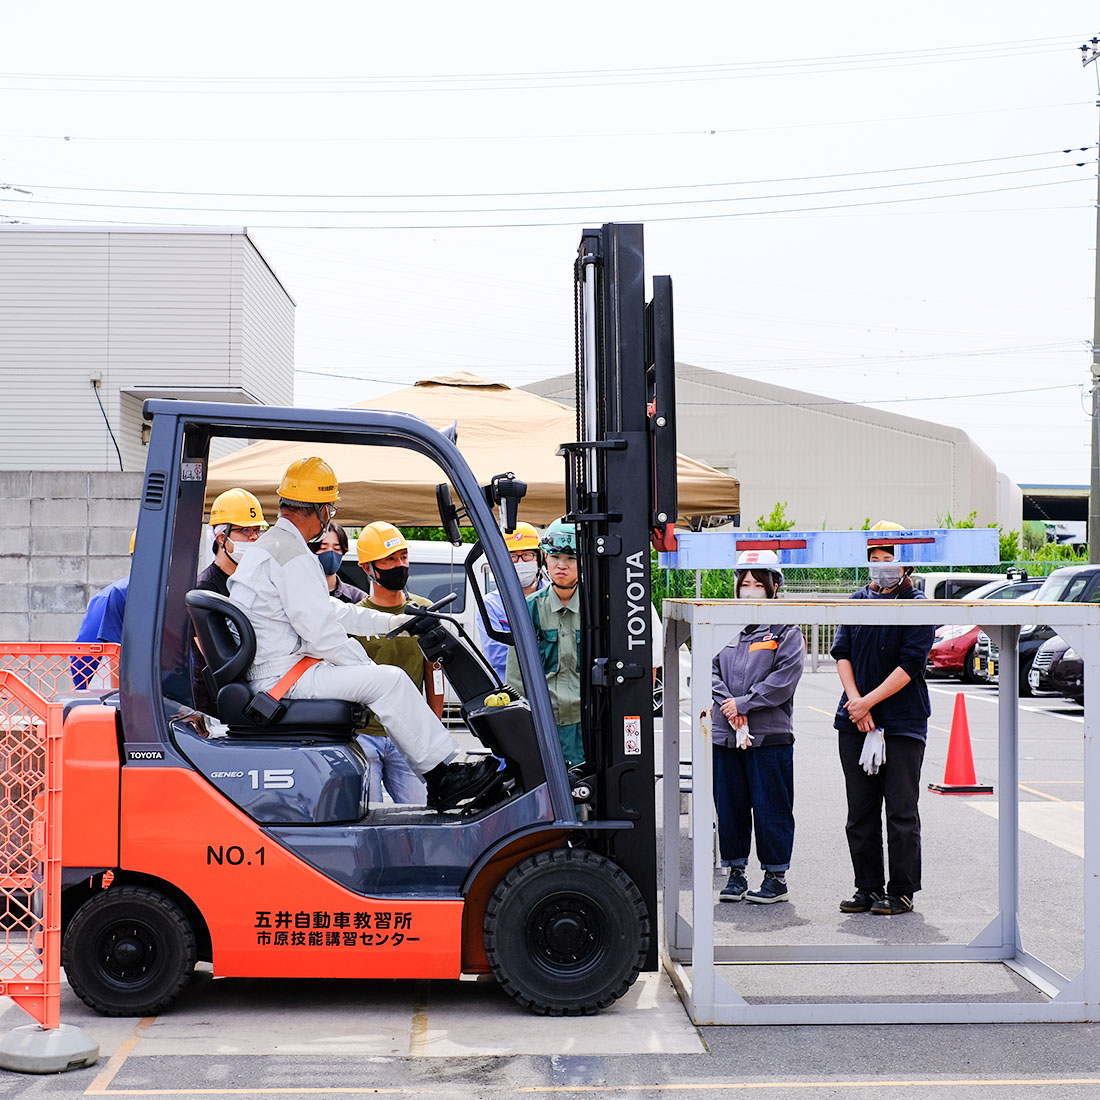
(393,579)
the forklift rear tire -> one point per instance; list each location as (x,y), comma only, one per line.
(566,932)
(129,951)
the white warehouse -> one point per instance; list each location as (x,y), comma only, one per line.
(835,464)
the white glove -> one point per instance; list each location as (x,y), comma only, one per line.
(874,752)
(744,738)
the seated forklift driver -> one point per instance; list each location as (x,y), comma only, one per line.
(282,590)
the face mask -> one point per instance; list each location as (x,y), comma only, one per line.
(239,550)
(393,579)
(886,576)
(527,571)
(330,561)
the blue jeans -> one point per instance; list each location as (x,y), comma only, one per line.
(389,767)
(755,788)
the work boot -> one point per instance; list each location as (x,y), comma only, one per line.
(772,889)
(737,887)
(862,901)
(892,905)
(449,785)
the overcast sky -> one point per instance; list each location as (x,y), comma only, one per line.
(851,201)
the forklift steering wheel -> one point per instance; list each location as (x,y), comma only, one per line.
(419,612)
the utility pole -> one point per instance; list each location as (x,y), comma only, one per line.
(1090,51)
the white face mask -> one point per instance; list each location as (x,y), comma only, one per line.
(239,550)
(527,571)
(886,575)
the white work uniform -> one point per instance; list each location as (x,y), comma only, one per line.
(281,588)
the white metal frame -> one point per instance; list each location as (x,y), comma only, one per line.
(688,945)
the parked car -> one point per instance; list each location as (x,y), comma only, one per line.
(1046,656)
(953,651)
(1067,675)
(1071,584)
(951,586)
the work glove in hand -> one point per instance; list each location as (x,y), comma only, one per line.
(874,752)
(744,738)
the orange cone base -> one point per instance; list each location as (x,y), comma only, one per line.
(943,788)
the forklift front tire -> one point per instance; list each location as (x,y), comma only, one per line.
(129,951)
(566,932)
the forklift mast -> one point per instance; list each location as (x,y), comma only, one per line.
(621,494)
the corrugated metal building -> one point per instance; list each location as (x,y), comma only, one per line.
(185,313)
(142,313)
(835,464)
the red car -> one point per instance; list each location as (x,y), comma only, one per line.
(952,652)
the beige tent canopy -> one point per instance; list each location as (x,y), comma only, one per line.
(499,429)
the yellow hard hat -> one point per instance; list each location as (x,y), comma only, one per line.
(237,507)
(524,537)
(887,525)
(310,480)
(133,539)
(378,540)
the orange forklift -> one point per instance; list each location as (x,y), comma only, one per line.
(251,844)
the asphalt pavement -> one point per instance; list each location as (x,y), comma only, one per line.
(250,1038)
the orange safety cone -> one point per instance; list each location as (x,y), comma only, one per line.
(958,775)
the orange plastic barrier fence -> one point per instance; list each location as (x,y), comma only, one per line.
(30,838)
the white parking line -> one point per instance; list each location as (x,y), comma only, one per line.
(1079,719)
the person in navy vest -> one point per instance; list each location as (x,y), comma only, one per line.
(882,721)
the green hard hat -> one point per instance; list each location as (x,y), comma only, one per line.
(560,538)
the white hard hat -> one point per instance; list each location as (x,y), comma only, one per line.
(767,560)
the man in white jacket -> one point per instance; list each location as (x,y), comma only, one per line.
(281,588)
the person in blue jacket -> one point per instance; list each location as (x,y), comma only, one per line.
(753,681)
(882,720)
(102,622)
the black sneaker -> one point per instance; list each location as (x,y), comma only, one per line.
(737,887)
(862,901)
(449,785)
(773,888)
(893,904)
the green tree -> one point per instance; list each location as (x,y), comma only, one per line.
(777,520)
(1009,543)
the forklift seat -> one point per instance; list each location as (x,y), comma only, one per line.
(228,644)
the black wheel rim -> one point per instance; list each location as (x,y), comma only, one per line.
(128,952)
(567,932)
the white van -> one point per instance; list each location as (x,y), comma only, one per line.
(951,586)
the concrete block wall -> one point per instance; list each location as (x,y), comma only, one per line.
(66,535)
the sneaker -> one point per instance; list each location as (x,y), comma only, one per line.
(449,785)
(737,887)
(893,904)
(773,888)
(862,901)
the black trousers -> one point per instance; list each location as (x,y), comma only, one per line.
(897,785)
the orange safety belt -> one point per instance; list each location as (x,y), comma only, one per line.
(292,677)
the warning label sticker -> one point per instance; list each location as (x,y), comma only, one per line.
(632,734)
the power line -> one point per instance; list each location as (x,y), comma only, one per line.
(587,206)
(282,85)
(587,191)
(543,137)
(540,224)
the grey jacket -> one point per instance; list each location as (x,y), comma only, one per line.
(759,671)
